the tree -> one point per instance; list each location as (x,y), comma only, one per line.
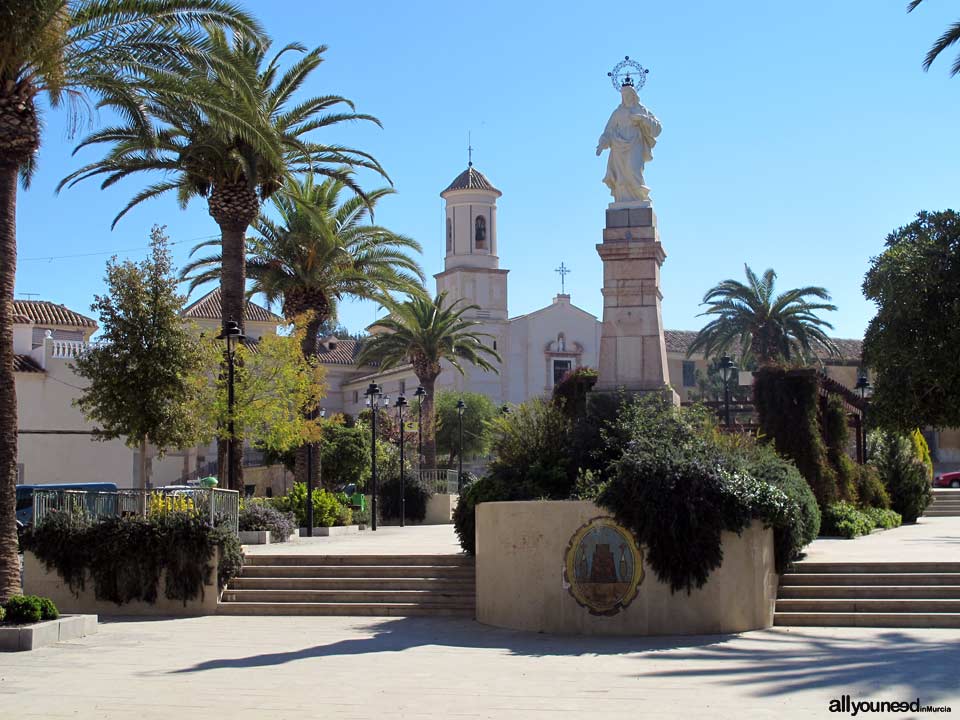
(138,371)
(950,37)
(477,415)
(424,333)
(73,50)
(750,319)
(232,136)
(275,388)
(344,454)
(911,343)
(321,250)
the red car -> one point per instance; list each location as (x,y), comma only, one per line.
(947,480)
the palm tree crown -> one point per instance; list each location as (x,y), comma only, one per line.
(768,327)
(949,38)
(425,332)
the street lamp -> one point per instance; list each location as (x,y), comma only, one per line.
(505,410)
(313,416)
(461,406)
(373,392)
(420,394)
(401,404)
(727,369)
(233,335)
(863,385)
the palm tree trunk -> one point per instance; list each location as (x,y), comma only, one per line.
(9,562)
(429,424)
(309,347)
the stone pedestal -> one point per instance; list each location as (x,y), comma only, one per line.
(633,353)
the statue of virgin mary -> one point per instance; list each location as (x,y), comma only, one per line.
(630,135)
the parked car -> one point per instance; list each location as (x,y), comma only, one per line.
(24,502)
(947,480)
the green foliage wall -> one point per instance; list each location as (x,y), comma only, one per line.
(836,432)
(787,407)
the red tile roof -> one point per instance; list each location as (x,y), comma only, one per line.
(679,341)
(208,308)
(25,364)
(338,352)
(44,312)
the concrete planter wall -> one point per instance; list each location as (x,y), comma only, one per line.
(254,537)
(31,637)
(332,531)
(37,580)
(440,509)
(521,548)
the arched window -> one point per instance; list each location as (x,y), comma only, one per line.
(449,235)
(480,233)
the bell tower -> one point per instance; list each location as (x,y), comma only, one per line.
(471,266)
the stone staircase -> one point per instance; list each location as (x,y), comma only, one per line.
(946,503)
(870,594)
(370,585)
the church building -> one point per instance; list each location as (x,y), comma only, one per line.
(538,348)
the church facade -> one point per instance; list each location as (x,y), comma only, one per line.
(537,349)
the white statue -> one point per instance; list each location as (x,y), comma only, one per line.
(630,135)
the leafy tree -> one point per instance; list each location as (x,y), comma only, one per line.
(424,333)
(138,371)
(949,38)
(477,415)
(911,343)
(750,319)
(275,387)
(232,135)
(344,454)
(74,50)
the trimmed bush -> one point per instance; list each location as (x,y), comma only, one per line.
(415,494)
(486,489)
(870,488)
(844,520)
(259,516)
(328,511)
(904,475)
(24,609)
(881,518)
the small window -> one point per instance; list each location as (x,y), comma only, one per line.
(403,387)
(689,373)
(356,396)
(449,235)
(494,344)
(560,369)
(480,233)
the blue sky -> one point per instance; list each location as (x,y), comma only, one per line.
(796,136)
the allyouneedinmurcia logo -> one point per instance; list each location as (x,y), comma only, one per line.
(845,704)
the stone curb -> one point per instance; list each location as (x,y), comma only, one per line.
(31,637)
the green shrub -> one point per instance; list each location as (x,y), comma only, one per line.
(416,497)
(837,438)
(881,518)
(486,489)
(870,488)
(921,450)
(327,510)
(3,613)
(904,475)
(23,610)
(257,515)
(48,609)
(570,394)
(844,520)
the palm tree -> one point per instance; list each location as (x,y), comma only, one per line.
(74,50)
(320,251)
(425,332)
(769,328)
(233,136)
(950,37)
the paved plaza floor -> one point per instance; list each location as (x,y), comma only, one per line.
(930,539)
(240,668)
(387,540)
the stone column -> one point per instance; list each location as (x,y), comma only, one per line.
(633,353)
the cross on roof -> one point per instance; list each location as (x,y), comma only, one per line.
(563,271)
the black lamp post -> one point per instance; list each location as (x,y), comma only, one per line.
(505,410)
(373,393)
(401,404)
(420,394)
(313,416)
(727,368)
(461,406)
(863,385)
(233,335)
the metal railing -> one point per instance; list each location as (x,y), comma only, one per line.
(220,507)
(440,482)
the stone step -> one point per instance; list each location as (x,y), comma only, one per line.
(942,513)
(886,592)
(870,579)
(414,597)
(341,609)
(869,606)
(864,619)
(359,560)
(805,567)
(359,583)
(359,571)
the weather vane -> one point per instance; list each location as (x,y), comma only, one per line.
(628,72)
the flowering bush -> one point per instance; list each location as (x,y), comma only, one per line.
(259,516)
